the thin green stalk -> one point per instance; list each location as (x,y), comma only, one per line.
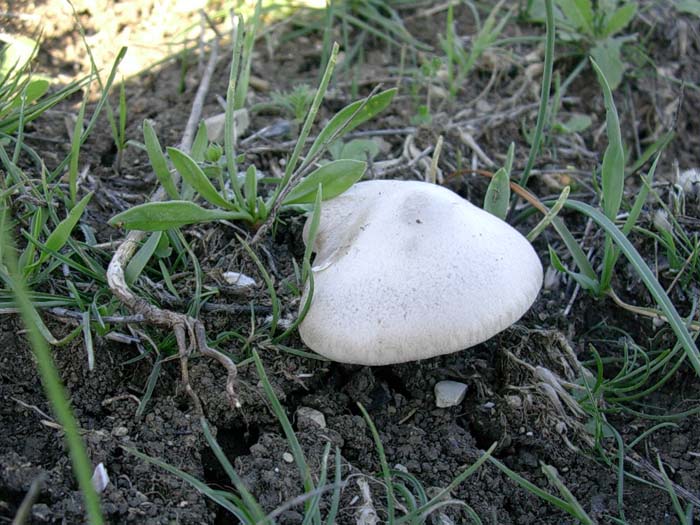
(292,440)
(306,129)
(386,473)
(52,381)
(544,95)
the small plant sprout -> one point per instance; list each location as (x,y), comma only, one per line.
(408,270)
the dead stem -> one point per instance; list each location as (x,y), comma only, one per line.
(189,332)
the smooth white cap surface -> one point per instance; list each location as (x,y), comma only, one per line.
(409,270)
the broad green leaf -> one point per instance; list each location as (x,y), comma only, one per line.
(335,177)
(536,12)
(498,194)
(158,160)
(27,257)
(35,89)
(575,124)
(620,18)
(613,170)
(140,259)
(61,234)
(345,120)
(195,177)
(579,13)
(608,56)
(154,216)
(359,149)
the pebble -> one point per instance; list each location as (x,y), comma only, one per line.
(288,457)
(100,478)
(239,280)
(449,393)
(120,431)
(311,414)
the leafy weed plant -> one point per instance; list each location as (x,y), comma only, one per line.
(593,28)
(237,197)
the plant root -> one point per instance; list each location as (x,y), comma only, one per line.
(189,332)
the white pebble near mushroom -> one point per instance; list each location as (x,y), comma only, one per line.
(409,270)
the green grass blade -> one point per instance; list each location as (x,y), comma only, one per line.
(253,507)
(613,169)
(429,505)
(349,118)
(251,188)
(58,238)
(386,472)
(335,498)
(549,217)
(75,152)
(576,508)
(140,259)
(306,128)
(279,412)
(268,282)
(58,171)
(150,386)
(203,488)
(532,488)
(251,29)
(544,93)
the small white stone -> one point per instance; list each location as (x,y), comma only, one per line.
(216,123)
(288,457)
(311,414)
(100,478)
(449,393)
(239,280)
(120,431)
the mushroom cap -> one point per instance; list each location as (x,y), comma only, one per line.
(408,270)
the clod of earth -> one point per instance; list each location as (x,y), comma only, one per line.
(408,270)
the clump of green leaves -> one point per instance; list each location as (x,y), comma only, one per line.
(593,28)
(612,179)
(216,179)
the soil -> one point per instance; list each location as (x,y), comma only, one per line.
(505,403)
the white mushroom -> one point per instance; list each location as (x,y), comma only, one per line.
(410,270)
